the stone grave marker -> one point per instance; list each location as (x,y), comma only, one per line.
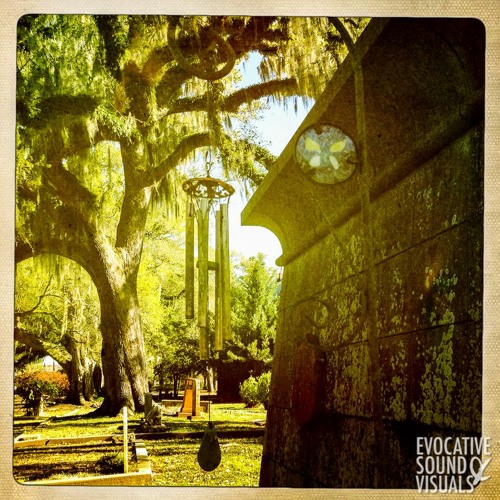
(191,407)
(152,421)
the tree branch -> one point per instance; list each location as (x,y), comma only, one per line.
(258,34)
(31,341)
(54,107)
(59,233)
(24,250)
(262,155)
(285,87)
(181,152)
(188,145)
(254,35)
(202,70)
(156,61)
(170,86)
(24,191)
(35,307)
(66,186)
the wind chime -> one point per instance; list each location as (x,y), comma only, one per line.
(207,195)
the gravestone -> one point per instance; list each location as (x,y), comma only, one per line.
(191,407)
(152,415)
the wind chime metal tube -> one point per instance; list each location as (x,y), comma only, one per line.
(189,259)
(203,277)
(218,339)
(225,273)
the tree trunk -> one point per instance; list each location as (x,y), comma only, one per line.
(113,268)
(80,366)
(123,360)
(88,388)
(209,379)
(38,409)
(97,379)
(80,373)
(75,395)
(176,386)
(122,356)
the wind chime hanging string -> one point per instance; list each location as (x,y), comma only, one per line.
(205,194)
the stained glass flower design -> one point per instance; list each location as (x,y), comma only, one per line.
(326,154)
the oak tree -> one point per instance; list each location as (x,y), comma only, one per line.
(157,90)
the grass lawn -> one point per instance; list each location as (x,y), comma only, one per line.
(174,463)
(58,462)
(173,460)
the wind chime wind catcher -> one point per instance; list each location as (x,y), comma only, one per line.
(207,195)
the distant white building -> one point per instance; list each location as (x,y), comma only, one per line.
(50,364)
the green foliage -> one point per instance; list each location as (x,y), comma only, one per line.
(254,302)
(171,341)
(55,303)
(255,390)
(34,387)
(179,357)
(106,114)
(254,299)
(263,388)
(248,391)
(48,46)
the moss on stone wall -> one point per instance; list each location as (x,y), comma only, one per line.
(428,241)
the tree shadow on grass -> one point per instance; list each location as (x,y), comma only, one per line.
(101,463)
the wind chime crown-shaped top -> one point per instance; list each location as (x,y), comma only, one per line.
(207,187)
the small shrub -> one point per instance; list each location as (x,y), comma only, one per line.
(263,385)
(256,390)
(248,391)
(36,387)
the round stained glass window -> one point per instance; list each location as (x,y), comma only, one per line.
(326,154)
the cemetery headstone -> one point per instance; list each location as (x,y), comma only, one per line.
(191,407)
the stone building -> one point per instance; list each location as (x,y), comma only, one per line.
(380,324)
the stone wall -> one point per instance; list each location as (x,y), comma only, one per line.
(346,402)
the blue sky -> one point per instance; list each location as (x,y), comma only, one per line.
(277,127)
